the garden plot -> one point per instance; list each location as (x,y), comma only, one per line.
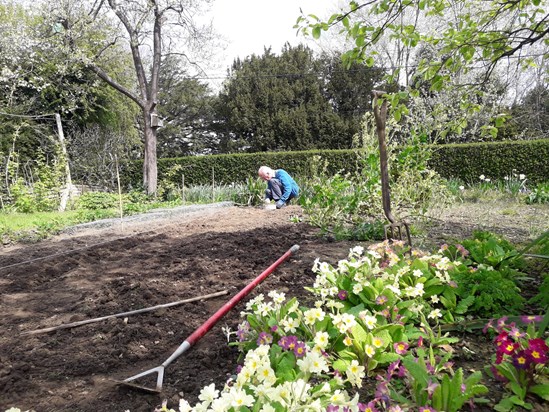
(127,267)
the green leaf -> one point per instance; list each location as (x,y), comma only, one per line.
(541,390)
(418,372)
(387,357)
(464,304)
(316,32)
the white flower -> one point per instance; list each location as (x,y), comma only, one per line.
(369,350)
(355,373)
(342,265)
(259,298)
(266,374)
(277,297)
(244,376)
(322,339)
(357,251)
(313,315)
(334,304)
(201,407)
(348,320)
(240,398)
(462,188)
(435,314)
(417,273)
(289,324)
(263,309)
(369,321)
(403,271)
(435,299)
(267,408)
(522,176)
(219,405)
(183,406)
(482,177)
(313,362)
(377,342)
(338,397)
(315,265)
(357,288)
(208,393)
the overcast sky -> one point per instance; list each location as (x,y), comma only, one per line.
(250,25)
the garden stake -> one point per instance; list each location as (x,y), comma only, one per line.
(394,230)
(203,329)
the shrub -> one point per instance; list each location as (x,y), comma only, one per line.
(97,201)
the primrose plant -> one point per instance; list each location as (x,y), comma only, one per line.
(521,362)
(425,381)
(392,286)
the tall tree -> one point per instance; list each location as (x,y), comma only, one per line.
(348,89)
(469,47)
(289,102)
(150,29)
(186,107)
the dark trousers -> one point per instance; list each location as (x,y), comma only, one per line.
(274,190)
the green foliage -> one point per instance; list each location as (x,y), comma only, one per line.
(493,294)
(493,250)
(452,49)
(542,297)
(292,102)
(97,201)
(490,275)
(343,204)
(185,104)
(251,194)
(40,192)
(539,194)
(428,384)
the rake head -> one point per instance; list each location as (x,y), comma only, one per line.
(130,382)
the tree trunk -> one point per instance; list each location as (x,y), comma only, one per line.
(150,170)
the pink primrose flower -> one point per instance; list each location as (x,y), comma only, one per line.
(401,347)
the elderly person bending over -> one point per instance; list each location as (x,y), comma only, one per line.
(280,186)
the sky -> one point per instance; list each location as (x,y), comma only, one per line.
(250,25)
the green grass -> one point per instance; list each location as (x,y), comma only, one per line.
(28,221)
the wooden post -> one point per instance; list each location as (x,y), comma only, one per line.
(66,193)
(119,189)
(183,188)
(213,185)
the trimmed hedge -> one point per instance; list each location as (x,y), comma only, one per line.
(464,161)
(494,160)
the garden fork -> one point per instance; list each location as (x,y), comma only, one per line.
(394,230)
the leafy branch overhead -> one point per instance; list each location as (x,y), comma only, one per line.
(443,43)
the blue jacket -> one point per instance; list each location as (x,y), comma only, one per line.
(291,189)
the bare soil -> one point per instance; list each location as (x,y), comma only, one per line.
(95,272)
